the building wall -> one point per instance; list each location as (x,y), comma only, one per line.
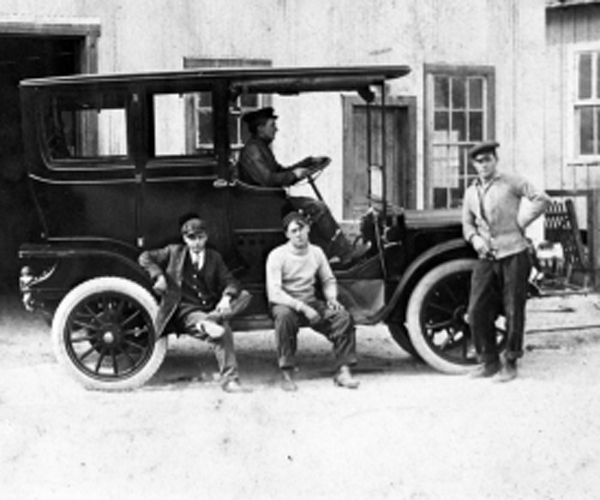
(143,35)
(568,30)
(508,35)
(157,34)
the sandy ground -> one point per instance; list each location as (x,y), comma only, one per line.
(407,433)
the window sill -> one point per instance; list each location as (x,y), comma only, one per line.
(591,162)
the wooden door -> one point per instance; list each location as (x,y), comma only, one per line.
(398,164)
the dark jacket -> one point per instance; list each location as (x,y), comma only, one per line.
(257,166)
(169,262)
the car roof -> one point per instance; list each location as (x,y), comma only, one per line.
(266,80)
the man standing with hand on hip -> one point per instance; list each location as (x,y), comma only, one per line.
(494,223)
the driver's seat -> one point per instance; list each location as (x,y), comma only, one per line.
(256,222)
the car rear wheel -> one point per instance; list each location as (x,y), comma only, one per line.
(103,334)
(436,318)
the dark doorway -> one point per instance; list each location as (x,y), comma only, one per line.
(23,57)
(400,159)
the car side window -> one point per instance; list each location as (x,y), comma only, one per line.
(183,123)
(79,126)
(178,131)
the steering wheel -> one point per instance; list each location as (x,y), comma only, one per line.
(315,170)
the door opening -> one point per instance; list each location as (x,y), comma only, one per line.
(23,57)
(400,160)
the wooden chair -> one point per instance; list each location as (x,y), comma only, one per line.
(561,227)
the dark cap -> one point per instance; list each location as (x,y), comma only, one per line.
(483,147)
(295,216)
(193,225)
(253,117)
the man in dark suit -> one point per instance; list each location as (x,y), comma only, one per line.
(198,294)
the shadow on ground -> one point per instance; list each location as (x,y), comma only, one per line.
(25,341)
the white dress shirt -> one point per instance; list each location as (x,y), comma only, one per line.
(197,259)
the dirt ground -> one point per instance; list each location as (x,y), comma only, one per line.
(407,433)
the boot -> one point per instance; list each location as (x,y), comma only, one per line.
(233,386)
(508,371)
(344,253)
(486,370)
(210,328)
(344,378)
(287,381)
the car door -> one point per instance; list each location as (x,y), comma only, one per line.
(83,173)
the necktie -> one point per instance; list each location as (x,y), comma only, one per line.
(197,261)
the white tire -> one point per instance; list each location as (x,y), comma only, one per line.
(103,334)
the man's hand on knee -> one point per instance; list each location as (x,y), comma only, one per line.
(334,305)
(311,314)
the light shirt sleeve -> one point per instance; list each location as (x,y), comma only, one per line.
(539,203)
(468,214)
(326,276)
(274,271)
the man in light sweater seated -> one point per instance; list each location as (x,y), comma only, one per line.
(293,271)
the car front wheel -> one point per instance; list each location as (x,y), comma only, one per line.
(103,334)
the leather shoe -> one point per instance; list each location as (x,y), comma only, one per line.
(507,373)
(485,370)
(234,387)
(344,378)
(212,329)
(238,305)
(287,381)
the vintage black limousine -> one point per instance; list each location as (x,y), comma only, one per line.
(110,171)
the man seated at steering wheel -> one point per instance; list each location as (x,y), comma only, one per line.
(257,166)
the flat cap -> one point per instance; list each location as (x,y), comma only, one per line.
(483,147)
(259,114)
(193,225)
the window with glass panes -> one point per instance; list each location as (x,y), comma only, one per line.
(459,112)
(202,104)
(587,104)
(237,132)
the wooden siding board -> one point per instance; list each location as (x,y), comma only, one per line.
(137,36)
(566,29)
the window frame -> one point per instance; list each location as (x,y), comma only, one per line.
(110,162)
(575,103)
(153,94)
(191,118)
(431,71)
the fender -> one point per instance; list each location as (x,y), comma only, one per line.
(449,250)
(52,268)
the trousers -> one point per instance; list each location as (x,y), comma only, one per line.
(337,326)
(499,286)
(223,347)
